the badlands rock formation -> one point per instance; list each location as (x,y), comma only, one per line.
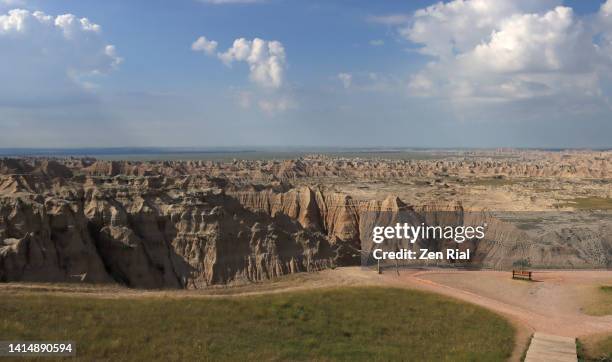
(194,224)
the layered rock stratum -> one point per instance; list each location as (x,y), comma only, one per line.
(193,224)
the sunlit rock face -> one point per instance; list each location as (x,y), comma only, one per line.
(196,224)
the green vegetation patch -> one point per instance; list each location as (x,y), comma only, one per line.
(601,302)
(327,324)
(493,182)
(589,203)
(600,351)
(603,350)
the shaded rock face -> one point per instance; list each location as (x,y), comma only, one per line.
(171,232)
(172,225)
(148,237)
(151,231)
(47,240)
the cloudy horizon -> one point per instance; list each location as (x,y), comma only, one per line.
(229,73)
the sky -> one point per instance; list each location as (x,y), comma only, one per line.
(346,73)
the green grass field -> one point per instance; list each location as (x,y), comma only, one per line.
(601,303)
(603,350)
(492,182)
(599,351)
(589,203)
(326,324)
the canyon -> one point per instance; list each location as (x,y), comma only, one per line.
(196,224)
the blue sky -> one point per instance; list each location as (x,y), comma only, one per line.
(333,73)
(322,38)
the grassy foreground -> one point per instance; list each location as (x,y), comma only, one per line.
(600,350)
(329,324)
(601,303)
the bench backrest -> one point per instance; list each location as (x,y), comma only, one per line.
(521,273)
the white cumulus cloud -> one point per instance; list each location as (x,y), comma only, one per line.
(12,2)
(606,9)
(204,45)
(346,79)
(266,59)
(45,55)
(508,50)
(267,64)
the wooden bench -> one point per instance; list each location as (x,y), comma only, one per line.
(521,274)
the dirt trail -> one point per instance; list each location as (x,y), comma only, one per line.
(552,304)
(340,277)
